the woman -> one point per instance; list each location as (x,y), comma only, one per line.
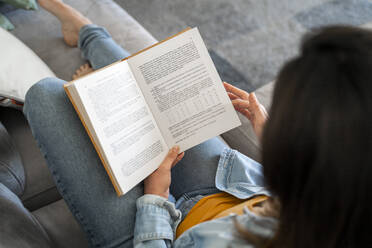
(316,157)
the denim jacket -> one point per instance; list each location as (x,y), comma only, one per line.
(238,175)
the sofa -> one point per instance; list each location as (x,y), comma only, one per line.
(32,211)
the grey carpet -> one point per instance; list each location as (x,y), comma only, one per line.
(249,40)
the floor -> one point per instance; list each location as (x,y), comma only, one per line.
(249,40)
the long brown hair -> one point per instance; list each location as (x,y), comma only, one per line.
(317,143)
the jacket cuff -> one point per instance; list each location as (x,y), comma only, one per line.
(156,218)
(240,175)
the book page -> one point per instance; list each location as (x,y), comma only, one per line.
(184,91)
(127,132)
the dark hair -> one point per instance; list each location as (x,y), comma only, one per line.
(317,151)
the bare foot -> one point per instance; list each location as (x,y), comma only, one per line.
(82,71)
(71,19)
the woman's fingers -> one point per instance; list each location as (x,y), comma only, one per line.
(178,159)
(232,96)
(240,104)
(243,107)
(256,107)
(241,100)
(254,104)
(246,113)
(171,157)
(236,91)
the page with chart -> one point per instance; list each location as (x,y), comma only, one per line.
(184,91)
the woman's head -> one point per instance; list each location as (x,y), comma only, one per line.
(317,144)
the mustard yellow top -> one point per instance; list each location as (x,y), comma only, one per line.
(216,206)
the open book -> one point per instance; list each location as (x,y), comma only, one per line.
(135,110)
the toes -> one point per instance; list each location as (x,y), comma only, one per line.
(76,74)
(82,70)
(87,68)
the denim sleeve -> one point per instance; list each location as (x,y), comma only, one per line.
(156,222)
(240,175)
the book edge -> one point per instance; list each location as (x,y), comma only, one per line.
(105,165)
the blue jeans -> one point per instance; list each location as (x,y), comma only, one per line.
(107,220)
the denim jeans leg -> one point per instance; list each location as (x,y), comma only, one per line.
(107,220)
(98,47)
(196,172)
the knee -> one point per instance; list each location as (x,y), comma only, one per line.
(43,88)
(42,93)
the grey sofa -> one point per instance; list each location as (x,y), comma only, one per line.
(32,211)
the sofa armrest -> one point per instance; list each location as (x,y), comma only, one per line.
(18,227)
(12,174)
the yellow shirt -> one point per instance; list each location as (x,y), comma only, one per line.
(216,206)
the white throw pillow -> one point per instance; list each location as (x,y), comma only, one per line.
(20,68)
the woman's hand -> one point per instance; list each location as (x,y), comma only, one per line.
(248,105)
(159,181)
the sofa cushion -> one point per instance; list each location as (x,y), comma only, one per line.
(42,33)
(12,174)
(18,227)
(40,188)
(24,4)
(21,68)
(5,23)
(61,225)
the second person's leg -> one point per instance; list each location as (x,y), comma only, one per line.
(96,44)
(98,47)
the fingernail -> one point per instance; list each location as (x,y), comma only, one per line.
(175,148)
